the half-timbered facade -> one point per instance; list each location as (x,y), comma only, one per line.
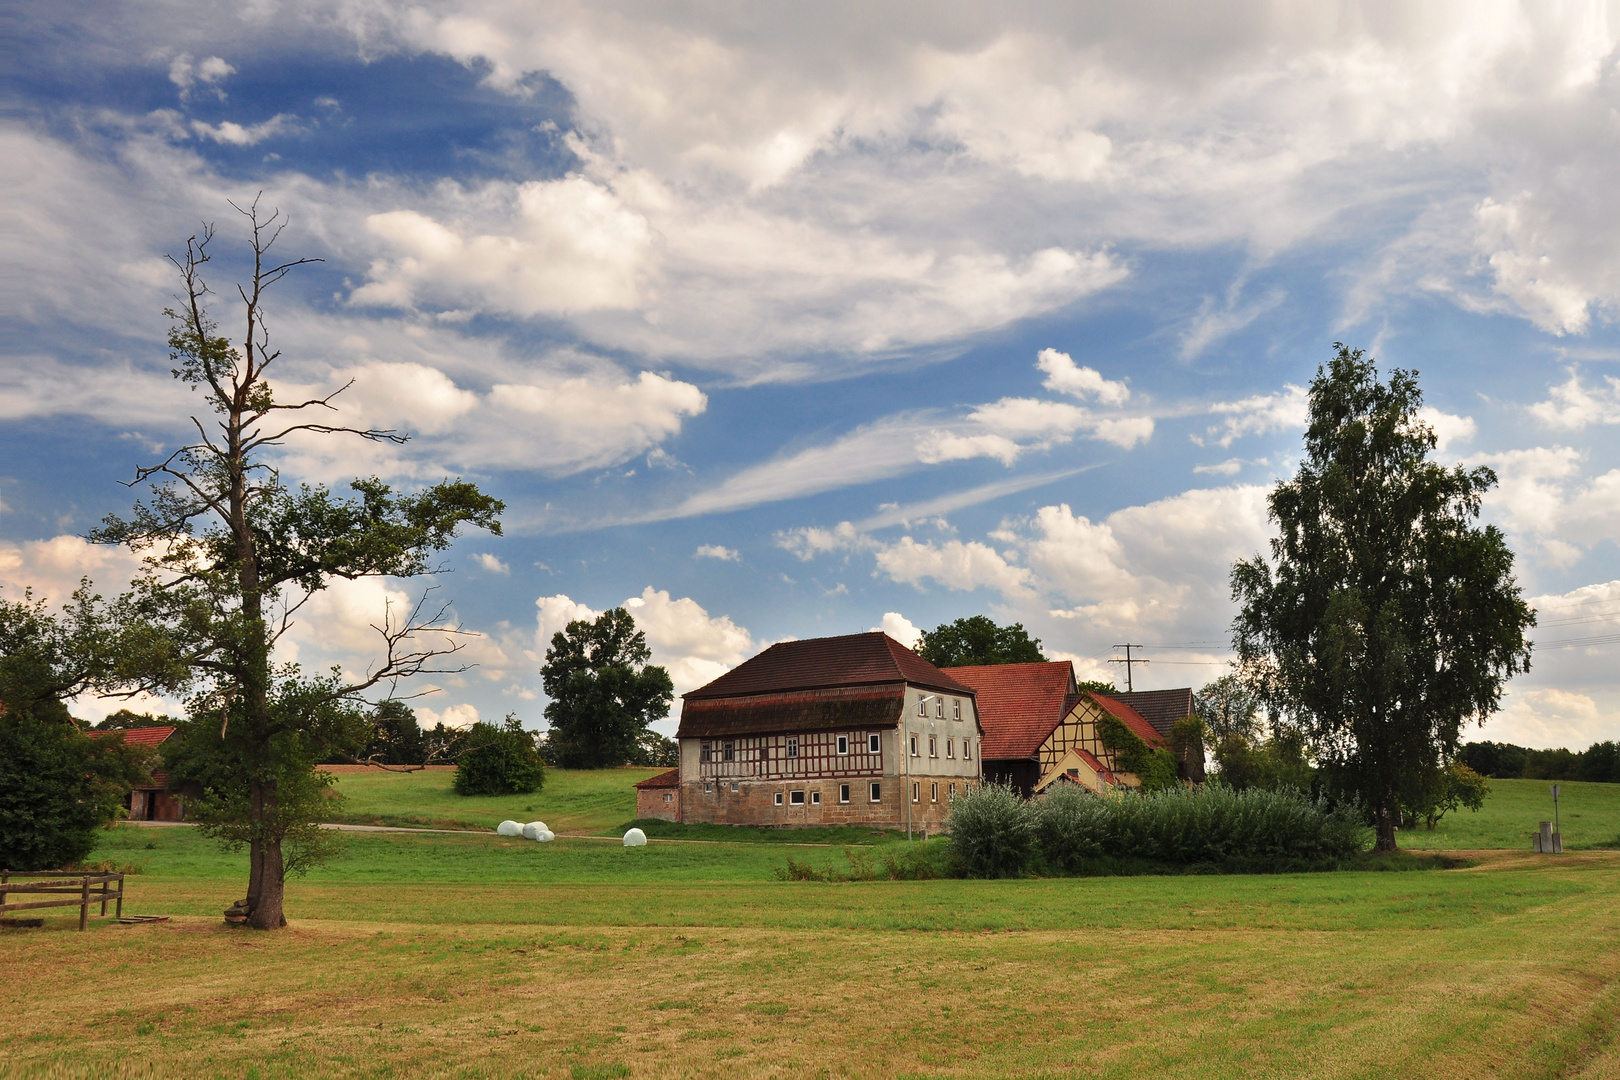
(1039,728)
(845,730)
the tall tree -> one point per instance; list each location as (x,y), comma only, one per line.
(975,641)
(603,691)
(1385,618)
(232,553)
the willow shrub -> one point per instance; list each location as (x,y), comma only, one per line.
(992,832)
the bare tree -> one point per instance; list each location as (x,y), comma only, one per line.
(232,554)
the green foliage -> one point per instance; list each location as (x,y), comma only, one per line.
(908,862)
(653,749)
(1188,738)
(58,786)
(992,831)
(1230,707)
(128,720)
(1213,824)
(1454,787)
(1096,686)
(1384,619)
(396,738)
(1154,766)
(499,761)
(1598,763)
(1275,763)
(975,641)
(603,691)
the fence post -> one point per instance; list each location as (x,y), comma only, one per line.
(120,912)
(84,903)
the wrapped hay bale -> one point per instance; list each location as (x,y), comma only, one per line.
(509,828)
(533,829)
(546,836)
(635,838)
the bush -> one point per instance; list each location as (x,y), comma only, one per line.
(1213,824)
(57,787)
(992,831)
(499,761)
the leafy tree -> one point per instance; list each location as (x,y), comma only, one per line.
(1384,619)
(603,691)
(975,641)
(655,751)
(1229,707)
(499,761)
(396,738)
(128,720)
(1454,787)
(1276,762)
(232,553)
(1153,766)
(1096,686)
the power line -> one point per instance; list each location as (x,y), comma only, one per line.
(1130,685)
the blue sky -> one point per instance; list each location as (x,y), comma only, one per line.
(776,326)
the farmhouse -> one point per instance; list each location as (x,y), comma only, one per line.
(1039,728)
(152,802)
(660,796)
(842,730)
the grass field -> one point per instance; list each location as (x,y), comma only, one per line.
(1590,814)
(446,955)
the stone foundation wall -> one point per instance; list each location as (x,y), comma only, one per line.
(754,803)
(651,803)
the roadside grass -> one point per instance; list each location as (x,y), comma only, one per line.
(571,800)
(449,956)
(1590,814)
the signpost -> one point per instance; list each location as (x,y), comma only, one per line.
(1557,828)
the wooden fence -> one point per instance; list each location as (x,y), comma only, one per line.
(80,890)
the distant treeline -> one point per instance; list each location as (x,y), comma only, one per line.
(1504,761)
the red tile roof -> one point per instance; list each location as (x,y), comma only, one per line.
(663,779)
(141,736)
(1020,705)
(816,663)
(1131,719)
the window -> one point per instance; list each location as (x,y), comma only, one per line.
(956,707)
(876,793)
(703,751)
(939,708)
(874,744)
(668,797)
(922,705)
(734,785)
(950,748)
(793,747)
(728,751)
(708,786)
(796,798)
(843,744)
(967,749)
(914,746)
(953,789)
(843,793)
(933,746)
(815,798)
(778,798)
(933,793)
(914,787)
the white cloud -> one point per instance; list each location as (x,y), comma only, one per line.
(1065,377)
(1572,406)
(954,564)
(1258,415)
(1447,427)
(717,551)
(52,568)
(234,134)
(1229,467)
(492,564)
(186,74)
(451,716)
(695,647)
(900,628)
(553,615)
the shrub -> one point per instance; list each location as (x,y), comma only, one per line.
(57,787)
(1154,767)
(499,761)
(1213,824)
(992,831)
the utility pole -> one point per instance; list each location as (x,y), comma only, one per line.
(1130,684)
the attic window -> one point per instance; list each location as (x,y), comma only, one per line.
(874,744)
(843,744)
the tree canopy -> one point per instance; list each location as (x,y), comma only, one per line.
(977,640)
(1385,619)
(498,761)
(603,690)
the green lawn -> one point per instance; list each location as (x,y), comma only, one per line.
(1590,814)
(571,800)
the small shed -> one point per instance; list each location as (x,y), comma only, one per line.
(150,802)
(660,796)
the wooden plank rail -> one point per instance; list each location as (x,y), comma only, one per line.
(76,885)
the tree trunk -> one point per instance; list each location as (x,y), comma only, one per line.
(1386,828)
(267,913)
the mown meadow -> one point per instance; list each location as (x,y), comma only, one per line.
(471,955)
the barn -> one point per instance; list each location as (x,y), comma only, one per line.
(151,802)
(854,730)
(659,796)
(1039,727)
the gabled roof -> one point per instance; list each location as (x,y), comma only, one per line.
(1020,705)
(662,780)
(140,736)
(838,708)
(1130,718)
(1161,708)
(819,663)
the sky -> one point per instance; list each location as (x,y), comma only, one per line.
(776,321)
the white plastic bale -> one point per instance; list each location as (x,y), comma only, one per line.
(509,828)
(635,838)
(533,829)
(546,837)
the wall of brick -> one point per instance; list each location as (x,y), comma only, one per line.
(754,803)
(661,803)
